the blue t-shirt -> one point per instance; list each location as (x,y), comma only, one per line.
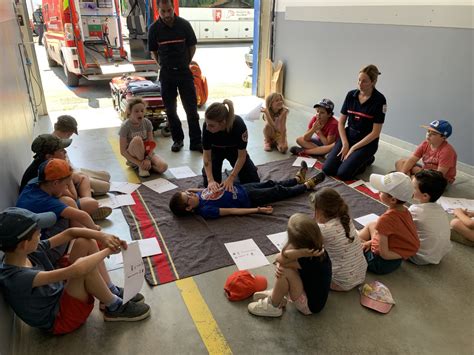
(34,199)
(361,117)
(316,277)
(36,306)
(210,202)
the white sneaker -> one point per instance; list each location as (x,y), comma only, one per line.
(268,293)
(264,308)
(143,173)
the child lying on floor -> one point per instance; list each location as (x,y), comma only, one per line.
(244,199)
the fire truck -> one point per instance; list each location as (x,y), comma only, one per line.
(85,38)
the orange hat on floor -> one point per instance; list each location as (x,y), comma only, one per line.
(242,284)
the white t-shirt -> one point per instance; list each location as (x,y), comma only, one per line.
(432,224)
(348,262)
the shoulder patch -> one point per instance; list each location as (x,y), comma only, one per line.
(384,108)
(245,136)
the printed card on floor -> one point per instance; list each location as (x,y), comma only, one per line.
(309,161)
(123,187)
(160,185)
(148,247)
(182,172)
(278,239)
(134,271)
(356,183)
(364,220)
(246,254)
(116,201)
(114,262)
(371,188)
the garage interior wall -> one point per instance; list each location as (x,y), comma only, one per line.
(16,131)
(425,54)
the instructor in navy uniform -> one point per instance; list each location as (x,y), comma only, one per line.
(172,43)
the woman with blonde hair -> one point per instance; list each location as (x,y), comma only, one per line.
(224,137)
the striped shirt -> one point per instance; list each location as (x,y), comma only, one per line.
(347,257)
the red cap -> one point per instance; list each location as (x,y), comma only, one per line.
(242,284)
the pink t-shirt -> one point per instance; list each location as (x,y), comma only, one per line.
(444,156)
(329,129)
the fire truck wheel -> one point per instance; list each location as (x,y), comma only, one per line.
(165,131)
(71,78)
(51,62)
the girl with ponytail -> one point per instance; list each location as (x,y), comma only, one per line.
(340,239)
(225,137)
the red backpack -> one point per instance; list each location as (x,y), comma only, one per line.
(200,83)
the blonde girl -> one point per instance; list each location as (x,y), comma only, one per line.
(274,132)
(340,240)
(303,271)
(136,140)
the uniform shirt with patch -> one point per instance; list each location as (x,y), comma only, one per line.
(329,129)
(172,43)
(444,156)
(36,306)
(236,138)
(361,117)
(347,257)
(400,230)
(210,202)
(316,278)
(130,131)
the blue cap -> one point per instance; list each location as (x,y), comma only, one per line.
(327,104)
(441,126)
(16,223)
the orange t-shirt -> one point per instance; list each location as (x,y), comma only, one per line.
(444,156)
(400,230)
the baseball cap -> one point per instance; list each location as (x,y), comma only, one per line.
(16,223)
(396,184)
(66,123)
(54,169)
(242,284)
(375,295)
(327,104)
(48,144)
(440,126)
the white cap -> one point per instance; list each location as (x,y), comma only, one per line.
(396,184)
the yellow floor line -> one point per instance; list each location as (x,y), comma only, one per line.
(129,172)
(202,317)
(203,320)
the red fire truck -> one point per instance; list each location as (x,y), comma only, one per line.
(85,37)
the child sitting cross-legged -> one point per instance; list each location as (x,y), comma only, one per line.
(59,300)
(432,222)
(245,199)
(392,237)
(340,239)
(303,272)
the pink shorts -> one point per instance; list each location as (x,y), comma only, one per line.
(301,304)
(72,313)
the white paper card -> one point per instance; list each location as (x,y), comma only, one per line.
(182,172)
(123,187)
(451,203)
(357,183)
(309,161)
(279,239)
(255,113)
(114,262)
(115,201)
(160,185)
(246,254)
(364,220)
(134,271)
(371,188)
(148,247)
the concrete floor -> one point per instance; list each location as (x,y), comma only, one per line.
(434,304)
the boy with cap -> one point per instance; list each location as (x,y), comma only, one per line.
(46,195)
(432,222)
(59,300)
(435,152)
(393,236)
(322,131)
(64,128)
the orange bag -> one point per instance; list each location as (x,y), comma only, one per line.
(200,83)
